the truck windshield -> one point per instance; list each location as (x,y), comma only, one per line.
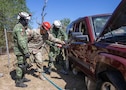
(99,23)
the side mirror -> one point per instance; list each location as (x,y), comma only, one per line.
(74,34)
(78,36)
(82,38)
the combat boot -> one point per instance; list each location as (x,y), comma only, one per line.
(49,68)
(49,71)
(64,72)
(26,80)
(19,83)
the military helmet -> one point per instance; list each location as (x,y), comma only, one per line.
(24,15)
(46,25)
(57,23)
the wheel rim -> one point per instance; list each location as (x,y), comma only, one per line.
(108,86)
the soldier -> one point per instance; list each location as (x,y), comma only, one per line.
(20,48)
(57,53)
(36,41)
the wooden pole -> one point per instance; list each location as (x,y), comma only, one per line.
(7,49)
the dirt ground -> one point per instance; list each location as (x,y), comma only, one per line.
(55,81)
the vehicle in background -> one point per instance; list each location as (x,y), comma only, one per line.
(97,47)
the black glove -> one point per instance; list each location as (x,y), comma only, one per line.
(53,44)
(27,55)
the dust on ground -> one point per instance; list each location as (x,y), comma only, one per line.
(55,81)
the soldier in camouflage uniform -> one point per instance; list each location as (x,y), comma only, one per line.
(36,41)
(20,48)
(57,53)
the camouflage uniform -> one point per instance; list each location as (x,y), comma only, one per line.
(20,49)
(54,53)
(36,42)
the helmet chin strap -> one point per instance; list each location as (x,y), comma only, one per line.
(24,22)
(56,28)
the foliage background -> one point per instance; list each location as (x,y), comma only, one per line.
(8,14)
(9,10)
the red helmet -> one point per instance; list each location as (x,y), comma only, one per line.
(46,25)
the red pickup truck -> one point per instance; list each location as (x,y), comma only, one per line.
(97,47)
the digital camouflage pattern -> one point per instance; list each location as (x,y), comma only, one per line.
(36,45)
(20,40)
(36,40)
(59,34)
(20,49)
(55,52)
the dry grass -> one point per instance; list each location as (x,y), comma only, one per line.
(69,82)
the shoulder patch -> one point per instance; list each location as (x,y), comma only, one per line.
(22,31)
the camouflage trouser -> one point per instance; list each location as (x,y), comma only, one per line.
(57,57)
(21,67)
(39,61)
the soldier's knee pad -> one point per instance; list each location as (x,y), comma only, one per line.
(23,67)
(19,73)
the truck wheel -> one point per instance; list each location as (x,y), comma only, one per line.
(105,86)
(111,80)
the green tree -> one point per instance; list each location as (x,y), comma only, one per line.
(8,14)
(65,22)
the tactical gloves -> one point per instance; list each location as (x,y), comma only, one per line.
(58,45)
(27,55)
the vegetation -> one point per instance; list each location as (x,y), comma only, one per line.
(8,12)
(65,22)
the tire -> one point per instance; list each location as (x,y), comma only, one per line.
(111,80)
(105,85)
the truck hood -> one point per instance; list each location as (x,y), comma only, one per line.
(117,19)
